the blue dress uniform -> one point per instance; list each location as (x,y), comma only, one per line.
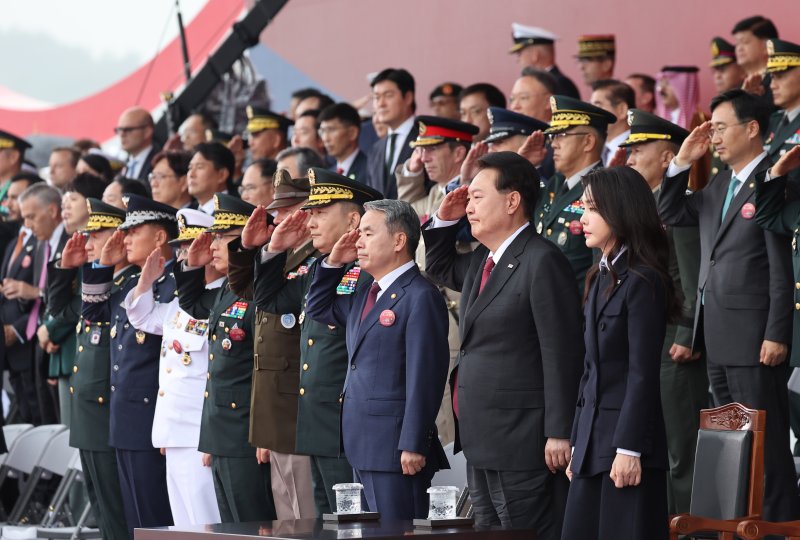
(90,387)
(242,485)
(323,351)
(134,378)
(505,124)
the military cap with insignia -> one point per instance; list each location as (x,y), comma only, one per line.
(446,90)
(505,124)
(646,127)
(783,55)
(722,53)
(216,135)
(191,224)
(436,130)
(102,216)
(570,112)
(141,210)
(288,191)
(597,46)
(229,213)
(328,187)
(525,36)
(9,140)
(259,119)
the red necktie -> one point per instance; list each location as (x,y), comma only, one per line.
(372,297)
(339,170)
(487,270)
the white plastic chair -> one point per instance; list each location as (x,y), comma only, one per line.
(11,432)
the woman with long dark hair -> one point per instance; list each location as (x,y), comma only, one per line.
(619,456)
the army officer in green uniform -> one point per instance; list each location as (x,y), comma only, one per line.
(242,485)
(577,134)
(89,383)
(334,206)
(784,124)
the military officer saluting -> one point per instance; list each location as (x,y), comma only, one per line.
(784,125)
(276,362)
(181,378)
(89,384)
(148,225)
(334,207)
(242,485)
(577,134)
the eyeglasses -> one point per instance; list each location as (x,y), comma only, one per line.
(247,188)
(473,111)
(124,130)
(513,98)
(325,130)
(158,177)
(720,130)
(553,136)
(219,237)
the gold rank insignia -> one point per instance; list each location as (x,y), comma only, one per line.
(114,331)
(715,49)
(140,337)
(422,129)
(186,359)
(312,177)
(770,47)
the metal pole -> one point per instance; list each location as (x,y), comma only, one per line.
(187,66)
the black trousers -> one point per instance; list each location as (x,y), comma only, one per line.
(519,500)
(764,387)
(143,483)
(597,509)
(25,395)
(243,489)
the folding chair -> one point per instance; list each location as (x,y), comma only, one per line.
(49,530)
(11,432)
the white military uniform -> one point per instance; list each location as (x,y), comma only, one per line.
(176,424)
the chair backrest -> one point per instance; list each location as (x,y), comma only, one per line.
(728,477)
(30,447)
(12,431)
(58,454)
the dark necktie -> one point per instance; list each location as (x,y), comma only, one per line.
(487,270)
(390,155)
(372,297)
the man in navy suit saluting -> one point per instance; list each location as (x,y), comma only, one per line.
(399,355)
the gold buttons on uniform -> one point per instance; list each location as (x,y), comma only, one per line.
(310,342)
(161,393)
(87,329)
(169,370)
(100,400)
(71,390)
(208,375)
(74,369)
(797,306)
(214,337)
(302,391)
(211,356)
(80,348)
(205,394)
(305,367)
(233,405)
(797,285)
(549,232)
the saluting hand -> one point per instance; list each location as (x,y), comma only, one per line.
(290,232)
(626,471)
(469,167)
(454,205)
(695,146)
(151,271)
(619,159)
(199,253)
(533,149)
(787,163)
(344,250)
(74,253)
(414,163)
(114,251)
(256,232)
(753,84)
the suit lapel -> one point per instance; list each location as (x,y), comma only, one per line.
(621,268)
(746,192)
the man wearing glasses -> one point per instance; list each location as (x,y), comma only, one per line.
(135,131)
(339,129)
(577,134)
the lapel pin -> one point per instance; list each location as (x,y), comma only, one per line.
(394,295)
(511,266)
(752,184)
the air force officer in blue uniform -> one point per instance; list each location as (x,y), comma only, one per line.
(398,355)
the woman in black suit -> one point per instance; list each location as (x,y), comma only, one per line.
(619,445)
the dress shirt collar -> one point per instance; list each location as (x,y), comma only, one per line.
(497,255)
(386,281)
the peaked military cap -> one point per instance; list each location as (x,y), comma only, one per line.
(229,213)
(446,90)
(328,187)
(783,55)
(436,130)
(215,135)
(103,216)
(141,210)
(505,124)
(259,119)
(9,140)
(524,36)
(191,224)
(596,46)
(722,52)
(288,190)
(646,127)
(570,112)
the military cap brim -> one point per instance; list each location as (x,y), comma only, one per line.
(141,210)
(328,187)
(102,216)
(229,213)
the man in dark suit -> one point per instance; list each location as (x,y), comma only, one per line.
(745,285)
(135,130)
(339,129)
(395,378)
(535,47)
(17,266)
(394,103)
(515,384)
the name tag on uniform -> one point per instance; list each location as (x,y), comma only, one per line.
(94,338)
(236,310)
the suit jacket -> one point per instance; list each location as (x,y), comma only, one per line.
(745,279)
(276,362)
(564,85)
(396,379)
(147,166)
(358,169)
(18,356)
(376,163)
(521,349)
(619,401)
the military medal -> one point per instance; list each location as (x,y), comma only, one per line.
(186,359)
(114,331)
(236,310)
(348,283)
(288,320)
(562,238)
(387,317)
(748,211)
(226,344)
(539,228)
(140,337)
(302,317)
(176,346)
(94,339)
(236,333)
(575,227)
